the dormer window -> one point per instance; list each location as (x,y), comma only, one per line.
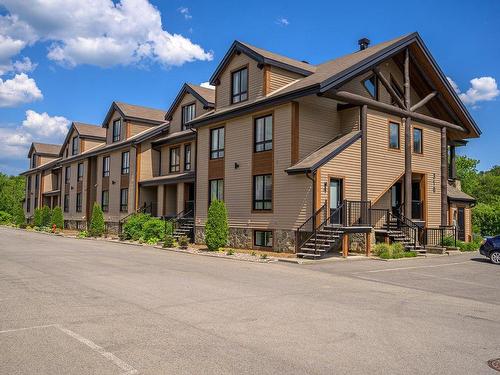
(74,146)
(188,114)
(117,130)
(239,85)
(370,84)
(33,161)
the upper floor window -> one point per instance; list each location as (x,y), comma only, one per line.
(78,202)
(117,130)
(175,163)
(263,133)
(37,181)
(188,114)
(263,192)
(28,204)
(239,85)
(74,146)
(29,183)
(33,161)
(124,200)
(216,190)
(105,200)
(217,143)
(370,84)
(187,157)
(67,174)
(80,171)
(394,135)
(417,141)
(125,162)
(66,202)
(105,166)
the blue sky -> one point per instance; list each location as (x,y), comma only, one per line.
(76,71)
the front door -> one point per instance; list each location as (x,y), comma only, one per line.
(335,199)
(396,198)
(461,223)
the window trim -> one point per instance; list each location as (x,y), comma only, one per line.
(254,191)
(79,177)
(421,152)
(264,142)
(78,205)
(105,208)
(174,168)
(123,206)
(104,172)
(389,136)
(183,120)
(74,146)
(187,161)
(254,242)
(119,136)
(218,150)
(125,170)
(231,95)
(376,86)
(33,160)
(210,189)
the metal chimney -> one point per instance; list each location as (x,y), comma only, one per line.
(363,43)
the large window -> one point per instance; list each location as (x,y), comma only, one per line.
(394,135)
(28,204)
(29,183)
(36,202)
(417,141)
(105,166)
(187,157)
(105,200)
(175,162)
(78,202)
(217,143)
(239,86)
(263,192)
(74,146)
(263,238)
(124,200)
(125,162)
(188,114)
(67,174)
(37,181)
(80,171)
(370,84)
(66,202)
(263,133)
(216,190)
(33,161)
(117,130)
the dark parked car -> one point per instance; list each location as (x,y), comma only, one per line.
(491,249)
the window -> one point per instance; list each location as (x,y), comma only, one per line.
(74,146)
(216,190)
(105,166)
(33,161)
(239,86)
(217,143)
(117,130)
(36,202)
(78,202)
(124,200)
(29,183)
(175,162)
(263,238)
(263,192)
(37,181)
(125,162)
(187,157)
(80,171)
(417,140)
(28,204)
(188,114)
(66,202)
(370,84)
(394,135)
(66,152)
(263,133)
(105,200)
(67,174)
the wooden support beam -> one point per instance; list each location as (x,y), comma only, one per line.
(423,101)
(408,145)
(368,243)
(364,152)
(388,87)
(345,245)
(444,177)
(371,103)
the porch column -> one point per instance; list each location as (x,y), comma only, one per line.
(453,166)
(160,193)
(444,178)
(407,122)
(364,152)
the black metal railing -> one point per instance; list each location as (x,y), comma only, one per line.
(417,210)
(378,217)
(443,236)
(182,218)
(304,232)
(357,213)
(401,223)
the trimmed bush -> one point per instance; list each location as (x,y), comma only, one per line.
(154,228)
(46,216)
(132,229)
(393,251)
(97,226)
(216,228)
(5,217)
(183,242)
(57,217)
(448,241)
(37,218)
(169,241)
(468,246)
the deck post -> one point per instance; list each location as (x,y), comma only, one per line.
(444,177)
(345,245)
(368,243)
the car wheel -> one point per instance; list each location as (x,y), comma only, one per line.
(495,257)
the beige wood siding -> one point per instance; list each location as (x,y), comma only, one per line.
(255,80)
(72,214)
(109,127)
(176,122)
(89,144)
(135,128)
(279,78)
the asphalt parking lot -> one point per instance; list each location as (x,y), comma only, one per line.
(72,306)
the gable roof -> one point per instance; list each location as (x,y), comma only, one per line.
(204,94)
(334,73)
(458,195)
(52,164)
(44,149)
(262,57)
(135,112)
(84,131)
(324,154)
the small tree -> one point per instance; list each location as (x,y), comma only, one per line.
(46,216)
(19,218)
(37,217)
(216,228)
(57,217)
(97,222)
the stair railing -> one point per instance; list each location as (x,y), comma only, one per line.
(338,212)
(304,232)
(406,226)
(180,219)
(441,236)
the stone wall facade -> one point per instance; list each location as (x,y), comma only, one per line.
(75,224)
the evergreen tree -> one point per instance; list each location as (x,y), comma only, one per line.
(57,217)
(97,226)
(216,227)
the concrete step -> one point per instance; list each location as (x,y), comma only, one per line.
(307,255)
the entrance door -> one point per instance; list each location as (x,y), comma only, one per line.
(335,199)
(396,198)
(461,223)
(188,196)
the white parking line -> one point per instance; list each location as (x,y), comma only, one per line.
(26,328)
(414,267)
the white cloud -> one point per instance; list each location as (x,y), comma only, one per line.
(19,66)
(282,21)
(98,32)
(18,90)
(43,125)
(207,85)
(185,12)
(482,89)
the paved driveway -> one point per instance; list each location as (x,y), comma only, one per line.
(84,307)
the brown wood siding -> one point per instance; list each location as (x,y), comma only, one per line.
(295,133)
(278,78)
(216,169)
(262,162)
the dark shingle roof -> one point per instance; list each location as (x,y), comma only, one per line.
(46,148)
(140,112)
(205,92)
(89,130)
(457,195)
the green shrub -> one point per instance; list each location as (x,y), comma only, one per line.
(153,241)
(46,216)
(132,229)
(486,218)
(57,217)
(97,226)
(216,228)
(169,241)
(37,218)
(183,242)
(83,234)
(230,252)
(5,217)
(393,251)
(448,241)
(153,228)
(381,248)
(468,246)
(18,216)
(253,253)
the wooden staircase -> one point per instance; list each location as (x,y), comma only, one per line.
(321,242)
(404,231)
